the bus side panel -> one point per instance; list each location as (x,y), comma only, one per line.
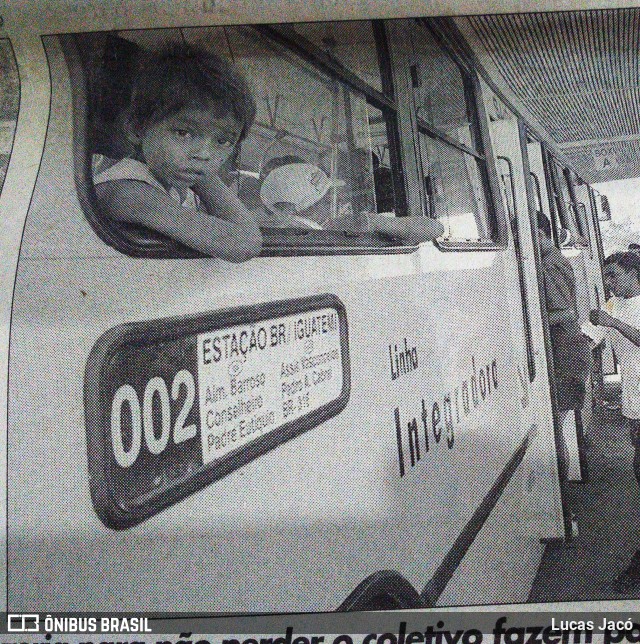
(509,579)
(349,496)
(300,526)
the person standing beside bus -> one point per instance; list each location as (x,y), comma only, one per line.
(622,276)
(571,348)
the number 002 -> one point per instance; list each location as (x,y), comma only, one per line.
(142,417)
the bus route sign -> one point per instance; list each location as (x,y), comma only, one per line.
(173,405)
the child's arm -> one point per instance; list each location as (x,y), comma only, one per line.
(604,319)
(411,230)
(231,234)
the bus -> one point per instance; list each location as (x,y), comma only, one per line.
(348,421)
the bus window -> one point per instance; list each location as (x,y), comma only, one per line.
(560,205)
(537,192)
(451,152)
(307,118)
(507,186)
(606,208)
(567,207)
(583,226)
(580,202)
(315,166)
(9,103)
(350,43)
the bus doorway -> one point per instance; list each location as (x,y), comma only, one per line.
(528,312)
(554,197)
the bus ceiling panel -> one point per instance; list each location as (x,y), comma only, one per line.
(577,74)
(152,39)
(288,36)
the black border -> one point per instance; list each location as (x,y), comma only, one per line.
(96,404)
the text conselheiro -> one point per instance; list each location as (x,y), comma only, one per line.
(253,378)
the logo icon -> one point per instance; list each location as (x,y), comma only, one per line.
(23,623)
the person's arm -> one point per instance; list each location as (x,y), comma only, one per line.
(220,201)
(602,318)
(231,234)
(411,230)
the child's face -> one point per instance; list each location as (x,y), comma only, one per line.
(189,146)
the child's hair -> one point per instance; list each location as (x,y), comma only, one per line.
(182,75)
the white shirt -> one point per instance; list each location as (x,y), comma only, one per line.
(132,170)
(627,353)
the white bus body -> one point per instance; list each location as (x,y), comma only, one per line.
(404,423)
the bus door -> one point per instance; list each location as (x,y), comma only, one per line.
(589,290)
(588,219)
(602,213)
(507,136)
(580,207)
(540,195)
(568,237)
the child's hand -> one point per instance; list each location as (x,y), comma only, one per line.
(210,183)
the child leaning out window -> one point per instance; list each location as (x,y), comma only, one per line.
(189,110)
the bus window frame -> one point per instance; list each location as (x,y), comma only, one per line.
(292,41)
(580,217)
(567,219)
(596,227)
(548,163)
(138,242)
(538,190)
(605,206)
(444,34)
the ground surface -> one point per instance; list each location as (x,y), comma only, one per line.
(607,509)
